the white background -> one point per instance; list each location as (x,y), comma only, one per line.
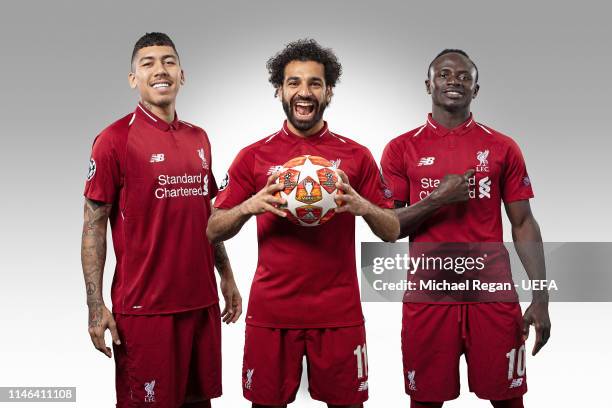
(544,81)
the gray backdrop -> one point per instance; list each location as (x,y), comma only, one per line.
(544,75)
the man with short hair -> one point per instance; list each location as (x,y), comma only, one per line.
(304,298)
(454,173)
(150,175)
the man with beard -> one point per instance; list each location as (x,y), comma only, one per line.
(150,175)
(304,298)
(454,173)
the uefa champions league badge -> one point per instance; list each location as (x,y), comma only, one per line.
(92,169)
(224,182)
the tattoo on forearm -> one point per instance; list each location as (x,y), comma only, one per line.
(93,255)
(221,258)
(95,314)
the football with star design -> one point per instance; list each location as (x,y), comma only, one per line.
(309,190)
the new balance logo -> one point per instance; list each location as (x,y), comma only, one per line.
(249,378)
(426,161)
(484,188)
(157,158)
(517,382)
(274,169)
(363,386)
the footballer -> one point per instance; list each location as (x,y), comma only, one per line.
(449,178)
(150,176)
(304,299)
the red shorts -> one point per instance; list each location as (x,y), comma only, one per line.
(168,360)
(336,360)
(490,334)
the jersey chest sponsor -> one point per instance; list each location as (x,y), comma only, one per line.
(427,169)
(162,169)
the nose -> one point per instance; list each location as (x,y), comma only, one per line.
(304,90)
(452,79)
(160,69)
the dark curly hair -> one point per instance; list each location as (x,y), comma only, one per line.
(304,50)
(150,40)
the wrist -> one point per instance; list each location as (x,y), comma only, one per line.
(95,302)
(242,208)
(434,200)
(227,275)
(539,296)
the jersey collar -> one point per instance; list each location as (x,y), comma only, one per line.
(440,130)
(314,138)
(148,116)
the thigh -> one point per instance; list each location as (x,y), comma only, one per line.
(145,361)
(431,348)
(272,365)
(204,382)
(338,365)
(495,351)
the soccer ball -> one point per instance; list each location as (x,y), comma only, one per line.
(310,190)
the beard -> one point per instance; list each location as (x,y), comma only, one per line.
(304,125)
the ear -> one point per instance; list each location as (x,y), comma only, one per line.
(428,86)
(182,77)
(278,92)
(329,94)
(476,88)
(132,80)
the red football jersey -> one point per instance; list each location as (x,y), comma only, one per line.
(306,276)
(414,164)
(158,177)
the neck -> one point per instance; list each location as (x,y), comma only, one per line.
(305,133)
(449,119)
(166,113)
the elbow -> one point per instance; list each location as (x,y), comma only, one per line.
(391,234)
(212,234)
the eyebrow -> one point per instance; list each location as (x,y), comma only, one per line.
(293,78)
(163,57)
(464,71)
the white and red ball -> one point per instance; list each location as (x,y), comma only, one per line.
(310,190)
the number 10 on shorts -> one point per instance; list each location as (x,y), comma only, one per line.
(361,354)
(520,362)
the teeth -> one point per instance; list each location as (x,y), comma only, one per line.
(306,104)
(163,85)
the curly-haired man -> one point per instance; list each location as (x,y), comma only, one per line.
(304,299)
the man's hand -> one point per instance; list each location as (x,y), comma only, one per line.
(537,315)
(453,188)
(233,301)
(265,200)
(351,200)
(100,319)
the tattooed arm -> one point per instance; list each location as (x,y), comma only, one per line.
(233,300)
(93,257)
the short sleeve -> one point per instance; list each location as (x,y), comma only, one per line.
(515,181)
(372,185)
(103,177)
(394,173)
(238,184)
(213,189)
